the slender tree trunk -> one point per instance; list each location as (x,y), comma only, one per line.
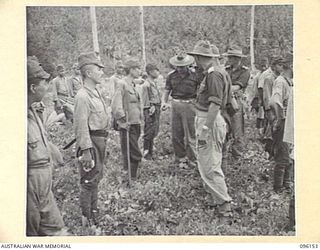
(94,30)
(142,37)
(252,37)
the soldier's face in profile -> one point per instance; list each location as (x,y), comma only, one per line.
(39,90)
(96,74)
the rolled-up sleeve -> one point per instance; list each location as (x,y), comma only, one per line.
(81,117)
(243,79)
(215,87)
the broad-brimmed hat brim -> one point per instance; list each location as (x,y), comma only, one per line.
(195,53)
(188,60)
(234,54)
(100,65)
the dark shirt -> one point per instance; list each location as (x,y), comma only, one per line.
(239,76)
(212,90)
(182,86)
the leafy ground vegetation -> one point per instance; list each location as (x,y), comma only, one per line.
(168,200)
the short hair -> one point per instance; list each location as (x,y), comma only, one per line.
(84,69)
(33,81)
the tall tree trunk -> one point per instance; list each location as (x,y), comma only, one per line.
(252,38)
(94,30)
(142,37)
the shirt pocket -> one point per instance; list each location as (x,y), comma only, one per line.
(189,86)
(133,97)
(97,117)
(37,151)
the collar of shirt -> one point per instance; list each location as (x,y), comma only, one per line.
(32,114)
(38,106)
(91,92)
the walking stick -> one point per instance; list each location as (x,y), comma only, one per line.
(128,149)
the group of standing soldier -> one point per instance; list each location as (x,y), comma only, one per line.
(273,102)
(206,105)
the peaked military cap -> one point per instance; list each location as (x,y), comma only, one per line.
(89,58)
(34,69)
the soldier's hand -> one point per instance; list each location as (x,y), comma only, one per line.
(58,107)
(86,159)
(124,125)
(152,110)
(203,136)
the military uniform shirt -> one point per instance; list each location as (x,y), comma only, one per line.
(90,113)
(213,89)
(263,76)
(182,86)
(61,87)
(127,100)
(38,152)
(281,92)
(267,89)
(239,76)
(150,93)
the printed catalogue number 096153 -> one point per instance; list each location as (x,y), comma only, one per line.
(309,246)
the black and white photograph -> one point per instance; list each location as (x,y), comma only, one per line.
(160,121)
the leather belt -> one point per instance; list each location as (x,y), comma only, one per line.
(62,94)
(99,133)
(182,100)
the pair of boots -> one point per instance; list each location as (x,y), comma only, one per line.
(282,177)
